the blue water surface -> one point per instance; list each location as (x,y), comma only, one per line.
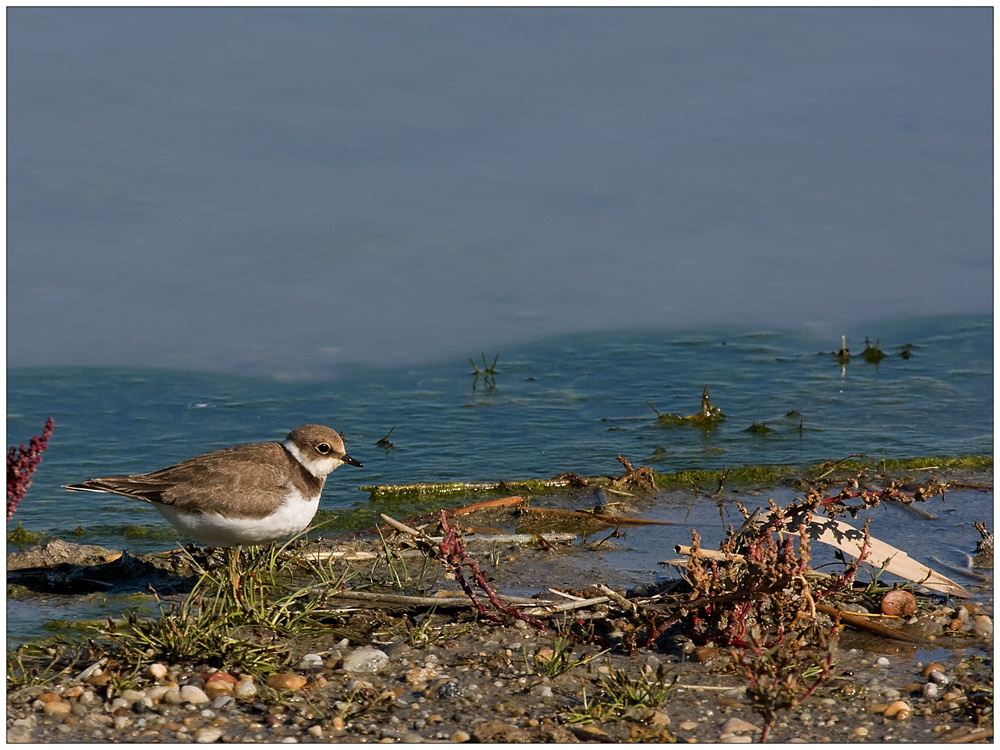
(564,404)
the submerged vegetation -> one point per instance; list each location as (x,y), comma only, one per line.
(487,373)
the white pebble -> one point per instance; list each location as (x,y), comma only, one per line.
(207,734)
(939,677)
(930,690)
(193,694)
(245,689)
(156,671)
(365,659)
(883,662)
(311,661)
(983,627)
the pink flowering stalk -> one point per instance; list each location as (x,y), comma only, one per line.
(21,464)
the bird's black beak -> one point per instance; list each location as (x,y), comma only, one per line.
(348,460)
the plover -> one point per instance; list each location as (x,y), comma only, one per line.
(250,494)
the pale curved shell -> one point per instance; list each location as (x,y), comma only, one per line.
(899,709)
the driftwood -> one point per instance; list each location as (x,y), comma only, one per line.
(861,622)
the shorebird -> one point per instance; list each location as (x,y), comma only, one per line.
(249,494)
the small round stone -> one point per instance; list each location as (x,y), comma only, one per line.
(938,677)
(983,627)
(311,661)
(365,659)
(245,689)
(283,681)
(207,734)
(156,671)
(450,690)
(460,736)
(193,694)
(57,707)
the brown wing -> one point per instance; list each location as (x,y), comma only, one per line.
(246,481)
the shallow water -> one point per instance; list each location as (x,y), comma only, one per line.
(563,404)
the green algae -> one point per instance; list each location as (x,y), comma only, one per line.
(21,536)
(751,475)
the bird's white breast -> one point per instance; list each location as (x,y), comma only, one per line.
(215,530)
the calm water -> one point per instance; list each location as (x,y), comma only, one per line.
(564,404)
(289,190)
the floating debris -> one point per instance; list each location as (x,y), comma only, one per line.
(843,354)
(488,373)
(709,416)
(872,354)
(384,442)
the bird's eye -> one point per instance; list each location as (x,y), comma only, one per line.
(323,448)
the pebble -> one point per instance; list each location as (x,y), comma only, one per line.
(58,706)
(157,692)
(860,732)
(460,736)
(192,694)
(311,661)
(365,659)
(932,667)
(930,690)
(687,726)
(282,681)
(983,627)
(898,710)
(938,677)
(207,734)
(882,662)
(450,690)
(659,718)
(736,725)
(419,675)
(156,671)
(245,688)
